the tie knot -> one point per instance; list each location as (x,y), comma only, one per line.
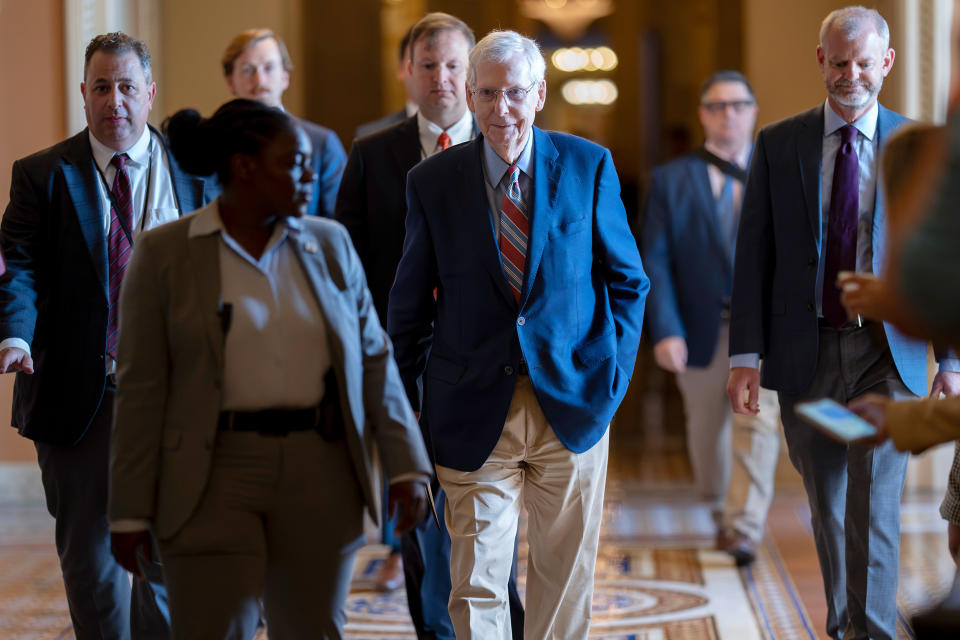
(443,140)
(848,134)
(513,171)
(119,161)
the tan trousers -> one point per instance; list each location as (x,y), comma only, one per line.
(563,494)
(734,457)
(282,518)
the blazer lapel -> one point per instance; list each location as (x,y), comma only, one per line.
(81,178)
(204,255)
(548,176)
(810,153)
(406,149)
(886,124)
(472,198)
(308,251)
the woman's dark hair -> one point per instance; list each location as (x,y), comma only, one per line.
(205,146)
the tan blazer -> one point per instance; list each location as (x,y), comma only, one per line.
(171,370)
(915,425)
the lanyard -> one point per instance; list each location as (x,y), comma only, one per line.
(146,198)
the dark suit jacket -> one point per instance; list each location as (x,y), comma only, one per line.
(579,319)
(687,258)
(329,159)
(54,294)
(773,309)
(386,121)
(372,202)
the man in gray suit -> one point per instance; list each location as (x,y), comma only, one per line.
(811,210)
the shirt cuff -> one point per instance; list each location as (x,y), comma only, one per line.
(129,525)
(946,364)
(19,343)
(411,476)
(751,360)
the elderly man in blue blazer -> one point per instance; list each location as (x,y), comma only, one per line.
(527,347)
(812,209)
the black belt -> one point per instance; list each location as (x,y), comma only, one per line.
(270,422)
(846,326)
(522,368)
(112,380)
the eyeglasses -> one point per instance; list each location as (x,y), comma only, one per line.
(739,106)
(514,95)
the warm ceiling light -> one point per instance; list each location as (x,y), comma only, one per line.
(580,92)
(577,59)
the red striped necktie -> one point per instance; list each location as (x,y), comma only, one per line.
(514,230)
(118,244)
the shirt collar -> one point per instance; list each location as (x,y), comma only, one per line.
(496,166)
(139,152)
(207,221)
(459,131)
(865,124)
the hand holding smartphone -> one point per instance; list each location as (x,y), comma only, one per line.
(835,420)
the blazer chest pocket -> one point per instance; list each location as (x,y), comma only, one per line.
(568,254)
(445,370)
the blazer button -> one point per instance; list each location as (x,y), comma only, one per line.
(508,370)
(809,306)
(521,321)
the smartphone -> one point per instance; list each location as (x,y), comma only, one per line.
(835,420)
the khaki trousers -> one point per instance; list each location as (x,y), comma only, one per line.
(281,518)
(562,492)
(734,457)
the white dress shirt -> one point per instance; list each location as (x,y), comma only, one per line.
(460,131)
(276,353)
(151,183)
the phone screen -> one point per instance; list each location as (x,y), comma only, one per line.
(836,420)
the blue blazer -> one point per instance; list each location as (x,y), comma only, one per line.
(329,159)
(687,258)
(54,293)
(580,314)
(779,245)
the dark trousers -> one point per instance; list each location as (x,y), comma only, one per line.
(426,567)
(853,490)
(99,595)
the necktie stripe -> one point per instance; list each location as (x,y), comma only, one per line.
(118,245)
(514,232)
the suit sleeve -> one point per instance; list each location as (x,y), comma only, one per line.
(143,386)
(333,161)
(351,208)
(21,240)
(663,314)
(753,266)
(617,257)
(385,404)
(412,306)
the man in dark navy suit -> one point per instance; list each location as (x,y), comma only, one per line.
(58,317)
(517,308)
(257,66)
(812,210)
(689,236)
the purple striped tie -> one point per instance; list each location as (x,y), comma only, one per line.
(118,244)
(842,225)
(514,229)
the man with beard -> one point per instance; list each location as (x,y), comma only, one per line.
(812,210)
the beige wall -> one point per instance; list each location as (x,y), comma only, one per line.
(32,113)
(194,35)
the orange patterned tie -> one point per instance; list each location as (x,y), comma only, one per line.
(443,141)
